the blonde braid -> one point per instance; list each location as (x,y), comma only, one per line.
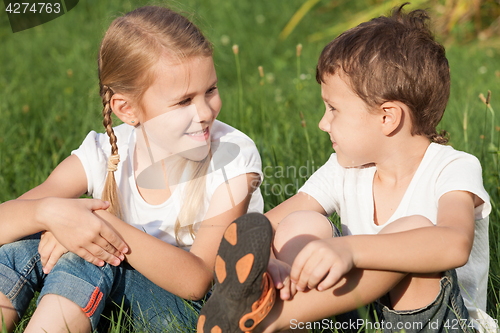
(129,52)
(110,192)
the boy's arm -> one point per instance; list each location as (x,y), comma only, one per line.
(300,201)
(426,250)
(423,250)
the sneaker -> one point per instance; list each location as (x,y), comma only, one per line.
(244,292)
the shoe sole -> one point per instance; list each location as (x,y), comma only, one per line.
(240,268)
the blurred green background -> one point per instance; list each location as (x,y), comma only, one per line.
(49,90)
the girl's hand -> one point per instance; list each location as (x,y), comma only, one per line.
(50,251)
(75,226)
(280,273)
(321,264)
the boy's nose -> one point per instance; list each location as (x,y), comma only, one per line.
(324,125)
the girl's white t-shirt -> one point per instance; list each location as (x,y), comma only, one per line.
(349,193)
(240,158)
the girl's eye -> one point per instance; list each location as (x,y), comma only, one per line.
(185,101)
(331,108)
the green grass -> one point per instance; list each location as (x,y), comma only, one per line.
(49,94)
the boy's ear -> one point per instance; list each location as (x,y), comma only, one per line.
(123,109)
(393,115)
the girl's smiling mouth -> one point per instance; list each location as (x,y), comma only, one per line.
(201,135)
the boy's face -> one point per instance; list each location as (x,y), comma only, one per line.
(353,129)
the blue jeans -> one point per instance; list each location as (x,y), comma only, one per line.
(92,288)
(447,313)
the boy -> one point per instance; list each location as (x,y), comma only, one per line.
(412,209)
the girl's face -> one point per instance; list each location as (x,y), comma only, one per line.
(353,129)
(180,107)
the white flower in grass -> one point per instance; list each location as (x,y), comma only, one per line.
(225,40)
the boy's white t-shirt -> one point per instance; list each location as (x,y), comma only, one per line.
(159,220)
(349,193)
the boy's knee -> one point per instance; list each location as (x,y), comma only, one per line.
(302,223)
(407,223)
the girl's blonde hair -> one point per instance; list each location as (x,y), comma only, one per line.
(129,52)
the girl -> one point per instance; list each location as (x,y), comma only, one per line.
(165,184)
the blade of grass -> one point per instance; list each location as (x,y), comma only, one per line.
(296,18)
(363,16)
(4,327)
(240,84)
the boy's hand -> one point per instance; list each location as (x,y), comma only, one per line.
(75,226)
(50,251)
(280,273)
(321,264)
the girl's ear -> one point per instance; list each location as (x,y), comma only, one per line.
(393,116)
(123,109)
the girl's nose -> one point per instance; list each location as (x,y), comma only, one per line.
(204,112)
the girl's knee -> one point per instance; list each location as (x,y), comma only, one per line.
(302,223)
(56,313)
(407,223)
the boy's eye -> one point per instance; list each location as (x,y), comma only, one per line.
(211,90)
(331,108)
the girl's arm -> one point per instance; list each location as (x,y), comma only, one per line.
(187,274)
(423,250)
(23,216)
(53,206)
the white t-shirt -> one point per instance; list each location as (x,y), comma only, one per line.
(349,192)
(159,220)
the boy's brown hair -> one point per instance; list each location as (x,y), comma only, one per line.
(394,59)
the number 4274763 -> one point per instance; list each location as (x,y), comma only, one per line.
(35,8)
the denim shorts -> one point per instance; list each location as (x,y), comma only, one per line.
(93,288)
(447,313)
